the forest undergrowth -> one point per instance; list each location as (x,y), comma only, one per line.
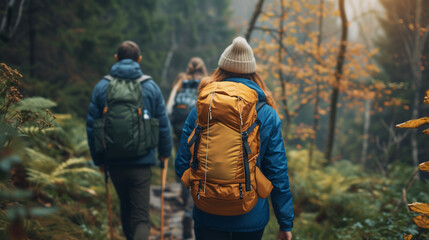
(51,190)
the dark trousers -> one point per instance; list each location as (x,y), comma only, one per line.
(208,234)
(132,185)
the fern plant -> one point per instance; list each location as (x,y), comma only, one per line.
(58,175)
(17,116)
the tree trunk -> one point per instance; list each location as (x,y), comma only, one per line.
(31,37)
(280,71)
(316,103)
(415,112)
(417,73)
(169,56)
(338,75)
(367,121)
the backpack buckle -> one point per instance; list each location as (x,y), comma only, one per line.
(245,135)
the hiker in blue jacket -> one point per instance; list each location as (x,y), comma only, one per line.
(131,176)
(237,64)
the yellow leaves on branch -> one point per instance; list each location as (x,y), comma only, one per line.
(421,221)
(424,166)
(419,207)
(415,123)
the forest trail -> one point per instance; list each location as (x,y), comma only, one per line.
(173,211)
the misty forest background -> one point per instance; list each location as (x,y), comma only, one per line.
(336,83)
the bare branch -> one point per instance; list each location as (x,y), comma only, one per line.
(255,15)
(266,29)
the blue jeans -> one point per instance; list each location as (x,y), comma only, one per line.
(209,234)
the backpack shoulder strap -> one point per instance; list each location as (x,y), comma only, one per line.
(140,79)
(259,105)
(143,78)
(108,77)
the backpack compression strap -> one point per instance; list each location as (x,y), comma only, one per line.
(142,78)
(195,139)
(247,151)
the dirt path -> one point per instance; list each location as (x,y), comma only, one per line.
(174,212)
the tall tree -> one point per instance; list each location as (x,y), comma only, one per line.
(338,76)
(317,97)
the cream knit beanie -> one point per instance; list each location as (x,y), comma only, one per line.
(238,57)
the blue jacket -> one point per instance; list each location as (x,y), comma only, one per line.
(152,100)
(273,165)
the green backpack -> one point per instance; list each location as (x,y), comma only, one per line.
(126,130)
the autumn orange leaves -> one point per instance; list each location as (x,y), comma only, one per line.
(421,220)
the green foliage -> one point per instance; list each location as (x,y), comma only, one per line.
(57,175)
(34,104)
(341,201)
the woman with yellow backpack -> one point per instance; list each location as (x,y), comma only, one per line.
(232,154)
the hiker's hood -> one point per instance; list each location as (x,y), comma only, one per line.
(252,85)
(127,69)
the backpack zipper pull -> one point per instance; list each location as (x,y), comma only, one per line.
(210,107)
(241,109)
(199,190)
(241,191)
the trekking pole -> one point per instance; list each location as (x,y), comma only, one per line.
(164,167)
(109,207)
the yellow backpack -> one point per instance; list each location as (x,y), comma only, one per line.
(223,176)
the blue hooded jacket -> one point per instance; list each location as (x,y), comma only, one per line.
(152,100)
(273,165)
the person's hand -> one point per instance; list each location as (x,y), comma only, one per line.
(101,168)
(284,235)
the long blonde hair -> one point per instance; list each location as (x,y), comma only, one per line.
(219,75)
